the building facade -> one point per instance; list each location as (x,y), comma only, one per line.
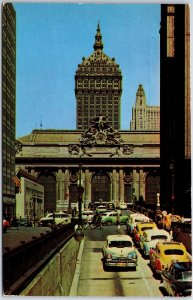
(144,117)
(98,87)
(8,107)
(111,165)
(175,125)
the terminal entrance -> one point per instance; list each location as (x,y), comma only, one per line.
(100,187)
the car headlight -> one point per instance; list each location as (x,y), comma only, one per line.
(108,255)
(132,254)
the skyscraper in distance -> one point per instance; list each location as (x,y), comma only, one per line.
(98,87)
(144,117)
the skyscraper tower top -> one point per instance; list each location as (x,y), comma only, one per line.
(98,39)
(98,87)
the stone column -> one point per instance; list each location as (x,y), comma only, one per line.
(59,190)
(121,186)
(114,186)
(134,185)
(141,184)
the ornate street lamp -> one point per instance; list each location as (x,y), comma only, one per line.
(79,234)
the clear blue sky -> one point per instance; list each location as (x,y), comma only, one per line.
(52,38)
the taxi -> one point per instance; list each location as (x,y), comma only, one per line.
(167,253)
(139,229)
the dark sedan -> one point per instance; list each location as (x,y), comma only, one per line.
(177,280)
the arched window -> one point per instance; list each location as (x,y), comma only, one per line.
(49,183)
(100,187)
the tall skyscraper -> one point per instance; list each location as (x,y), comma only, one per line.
(175,151)
(8,106)
(144,117)
(98,87)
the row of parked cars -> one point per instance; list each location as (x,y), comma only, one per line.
(169,260)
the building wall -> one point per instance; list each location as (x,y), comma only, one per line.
(175,159)
(30,200)
(8,106)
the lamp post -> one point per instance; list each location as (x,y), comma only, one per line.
(79,234)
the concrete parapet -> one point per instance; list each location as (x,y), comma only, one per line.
(56,278)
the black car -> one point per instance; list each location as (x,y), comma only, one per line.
(177,280)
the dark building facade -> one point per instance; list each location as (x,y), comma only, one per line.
(175,156)
(8,106)
(98,87)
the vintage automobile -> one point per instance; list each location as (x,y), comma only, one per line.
(87,216)
(139,229)
(167,253)
(57,219)
(134,219)
(119,251)
(151,237)
(101,208)
(122,205)
(111,218)
(177,280)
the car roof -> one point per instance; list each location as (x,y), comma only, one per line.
(118,237)
(156,231)
(170,245)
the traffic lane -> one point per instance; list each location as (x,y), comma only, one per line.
(94,281)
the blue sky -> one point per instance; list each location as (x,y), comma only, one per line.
(52,38)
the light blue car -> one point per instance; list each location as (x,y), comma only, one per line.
(150,237)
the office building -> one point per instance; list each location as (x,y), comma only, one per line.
(144,117)
(175,134)
(98,87)
(8,106)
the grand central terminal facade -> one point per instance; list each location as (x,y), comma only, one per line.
(110,165)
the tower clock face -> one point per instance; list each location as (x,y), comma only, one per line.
(100,137)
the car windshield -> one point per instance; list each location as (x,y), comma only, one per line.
(159,237)
(120,244)
(146,228)
(61,215)
(174,252)
(184,276)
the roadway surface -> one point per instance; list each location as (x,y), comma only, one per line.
(94,281)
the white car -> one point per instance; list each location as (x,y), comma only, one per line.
(134,219)
(150,238)
(87,216)
(59,218)
(119,251)
(122,205)
(100,209)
